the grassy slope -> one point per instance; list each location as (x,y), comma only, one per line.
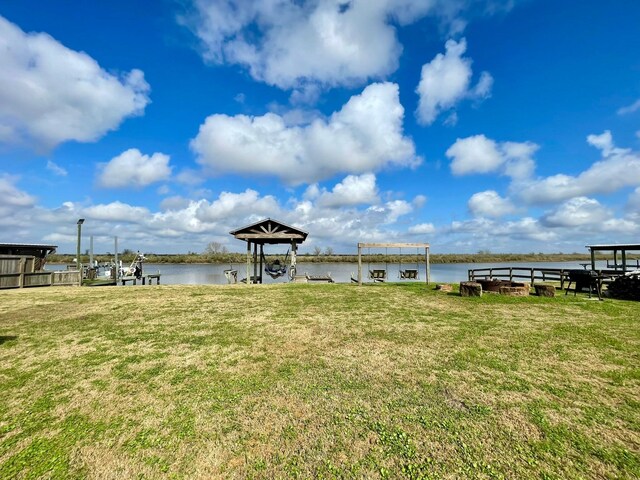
(316,380)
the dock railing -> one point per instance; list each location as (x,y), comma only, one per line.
(532,275)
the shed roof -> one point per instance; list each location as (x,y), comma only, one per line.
(269,231)
(615,246)
(26,249)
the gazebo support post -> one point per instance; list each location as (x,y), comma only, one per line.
(593,259)
(255,263)
(624,261)
(294,260)
(261,256)
(248,262)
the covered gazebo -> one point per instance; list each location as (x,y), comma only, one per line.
(271,232)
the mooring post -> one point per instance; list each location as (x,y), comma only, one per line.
(116,273)
(80,222)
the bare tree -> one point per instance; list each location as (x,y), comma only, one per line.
(317,251)
(328,251)
(215,247)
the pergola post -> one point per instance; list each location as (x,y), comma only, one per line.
(359,265)
(624,261)
(593,259)
(428,267)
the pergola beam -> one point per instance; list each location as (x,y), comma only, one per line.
(392,245)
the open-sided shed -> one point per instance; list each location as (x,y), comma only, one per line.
(272,232)
(36,250)
(622,263)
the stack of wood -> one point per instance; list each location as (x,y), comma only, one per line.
(626,287)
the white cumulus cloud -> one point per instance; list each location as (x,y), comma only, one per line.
(577,212)
(618,168)
(490,204)
(290,43)
(353,190)
(116,212)
(422,229)
(11,197)
(248,204)
(52,94)
(446,80)
(364,136)
(134,169)
(479,154)
(633,204)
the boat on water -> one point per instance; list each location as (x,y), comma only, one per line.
(108,274)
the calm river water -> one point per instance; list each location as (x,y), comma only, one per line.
(183,274)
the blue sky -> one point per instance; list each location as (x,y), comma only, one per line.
(472,125)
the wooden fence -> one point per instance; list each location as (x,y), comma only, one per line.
(18,271)
(531,275)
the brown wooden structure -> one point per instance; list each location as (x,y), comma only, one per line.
(622,263)
(22,265)
(377,275)
(36,250)
(271,232)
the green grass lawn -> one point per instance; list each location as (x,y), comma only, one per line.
(320,381)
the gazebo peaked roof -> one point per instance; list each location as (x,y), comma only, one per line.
(270,231)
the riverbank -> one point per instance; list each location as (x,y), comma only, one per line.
(316,381)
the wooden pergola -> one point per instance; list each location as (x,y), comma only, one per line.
(393,245)
(272,232)
(623,249)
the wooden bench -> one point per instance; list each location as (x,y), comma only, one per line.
(378,275)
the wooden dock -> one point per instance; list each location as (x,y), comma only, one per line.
(145,279)
(533,275)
